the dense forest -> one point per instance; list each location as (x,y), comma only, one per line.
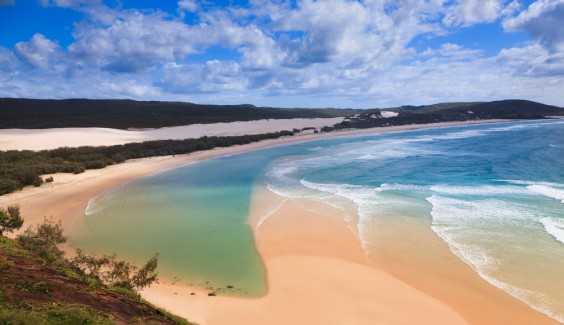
(25,167)
(124,114)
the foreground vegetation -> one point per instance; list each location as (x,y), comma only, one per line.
(23,168)
(39,286)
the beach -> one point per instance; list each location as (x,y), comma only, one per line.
(316,268)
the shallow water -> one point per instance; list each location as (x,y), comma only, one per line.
(494,193)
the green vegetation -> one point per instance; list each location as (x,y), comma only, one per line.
(10,219)
(124,114)
(22,168)
(39,286)
(113,272)
(43,239)
(453,112)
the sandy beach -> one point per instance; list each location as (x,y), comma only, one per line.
(316,268)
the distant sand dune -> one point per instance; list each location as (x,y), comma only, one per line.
(39,139)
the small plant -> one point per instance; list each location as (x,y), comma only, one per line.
(49,179)
(10,219)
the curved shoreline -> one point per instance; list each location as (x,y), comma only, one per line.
(442,292)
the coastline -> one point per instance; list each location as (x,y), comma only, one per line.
(403,278)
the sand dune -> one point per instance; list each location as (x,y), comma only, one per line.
(39,139)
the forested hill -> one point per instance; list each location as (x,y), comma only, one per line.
(124,114)
(452,112)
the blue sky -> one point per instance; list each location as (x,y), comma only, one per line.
(334,53)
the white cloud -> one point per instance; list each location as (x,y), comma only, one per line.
(451,51)
(39,52)
(469,12)
(311,53)
(213,76)
(8,61)
(543,20)
(135,42)
(188,5)
(533,60)
(68,3)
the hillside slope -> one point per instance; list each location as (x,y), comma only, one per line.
(33,291)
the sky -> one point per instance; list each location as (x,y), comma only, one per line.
(304,53)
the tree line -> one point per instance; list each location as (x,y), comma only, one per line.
(19,168)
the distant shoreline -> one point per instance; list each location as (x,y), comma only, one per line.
(36,201)
(68,196)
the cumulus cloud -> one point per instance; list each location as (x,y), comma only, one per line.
(533,60)
(316,53)
(8,61)
(188,5)
(39,52)
(451,51)
(469,12)
(213,76)
(543,20)
(135,43)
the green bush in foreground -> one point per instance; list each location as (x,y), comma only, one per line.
(10,219)
(114,272)
(39,286)
(43,239)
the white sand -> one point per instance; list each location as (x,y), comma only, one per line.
(39,139)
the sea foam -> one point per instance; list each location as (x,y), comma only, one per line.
(472,228)
(555,227)
(484,190)
(551,192)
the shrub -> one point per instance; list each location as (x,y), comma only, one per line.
(114,272)
(49,179)
(44,238)
(10,219)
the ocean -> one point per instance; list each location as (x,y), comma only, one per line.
(494,193)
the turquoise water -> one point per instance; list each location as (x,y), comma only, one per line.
(494,193)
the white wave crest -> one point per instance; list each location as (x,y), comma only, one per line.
(95,205)
(98,203)
(92,207)
(551,192)
(365,199)
(485,190)
(401,187)
(520,182)
(272,209)
(471,227)
(554,227)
